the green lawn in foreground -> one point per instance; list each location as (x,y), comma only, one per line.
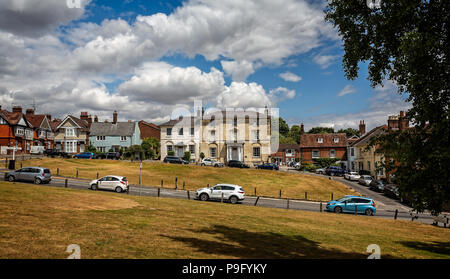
(40,222)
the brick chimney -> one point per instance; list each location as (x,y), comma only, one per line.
(362,127)
(403,123)
(89,120)
(84,116)
(17,109)
(302,129)
(115,117)
(95,118)
(106,120)
(393,122)
(49,117)
(29,112)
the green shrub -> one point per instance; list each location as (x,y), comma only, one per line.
(171,153)
(187,156)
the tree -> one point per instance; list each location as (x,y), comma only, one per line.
(321,130)
(91,148)
(349,132)
(187,156)
(407,43)
(294,133)
(283,127)
(150,146)
(202,155)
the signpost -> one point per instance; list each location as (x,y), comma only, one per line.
(12,163)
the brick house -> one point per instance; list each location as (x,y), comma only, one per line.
(43,134)
(149,130)
(286,153)
(333,145)
(15,130)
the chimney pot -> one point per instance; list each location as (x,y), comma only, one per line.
(17,109)
(30,111)
(115,117)
(362,127)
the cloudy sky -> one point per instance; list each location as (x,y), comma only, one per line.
(146,58)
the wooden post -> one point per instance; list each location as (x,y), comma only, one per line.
(77,173)
(280,193)
(396,213)
(176,183)
(97,175)
(221,200)
(184,184)
(306,195)
(287,205)
(57,171)
(159,192)
(20,164)
(257,199)
(162,183)
(66,182)
(320,207)
(255,191)
(189,195)
(332,196)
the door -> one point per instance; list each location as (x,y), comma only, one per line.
(234,154)
(216,192)
(180,152)
(101,183)
(82,147)
(350,206)
(27,174)
(227,190)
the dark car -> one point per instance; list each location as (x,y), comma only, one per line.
(335,171)
(268,166)
(113,155)
(174,160)
(237,164)
(377,185)
(100,156)
(391,190)
(56,153)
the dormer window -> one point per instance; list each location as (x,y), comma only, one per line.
(320,140)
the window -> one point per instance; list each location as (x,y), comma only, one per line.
(180,131)
(332,153)
(290,152)
(70,132)
(353,165)
(123,138)
(212,136)
(368,165)
(42,134)
(336,140)
(101,149)
(70,146)
(256,135)
(316,154)
(256,152)
(192,149)
(352,151)
(235,121)
(19,131)
(101,138)
(192,131)
(169,148)
(212,152)
(169,131)
(320,140)
(235,135)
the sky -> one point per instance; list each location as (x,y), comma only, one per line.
(146,59)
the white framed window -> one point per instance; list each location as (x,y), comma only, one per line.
(20,131)
(29,134)
(332,153)
(42,134)
(101,149)
(192,131)
(192,149)
(320,140)
(70,146)
(336,140)
(212,136)
(289,152)
(352,151)
(70,132)
(212,152)
(101,138)
(123,138)
(256,151)
(316,154)
(256,135)
(169,131)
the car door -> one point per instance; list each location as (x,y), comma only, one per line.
(227,191)
(216,192)
(101,183)
(114,182)
(25,174)
(349,206)
(362,204)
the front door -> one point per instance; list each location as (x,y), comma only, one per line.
(82,147)
(234,154)
(180,151)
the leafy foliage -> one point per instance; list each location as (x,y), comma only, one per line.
(321,130)
(187,156)
(325,162)
(349,132)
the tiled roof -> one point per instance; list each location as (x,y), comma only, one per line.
(310,140)
(284,146)
(111,129)
(11,117)
(374,132)
(55,123)
(35,120)
(142,122)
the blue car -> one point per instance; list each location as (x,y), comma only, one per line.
(348,203)
(84,155)
(268,166)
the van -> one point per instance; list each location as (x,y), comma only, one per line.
(37,150)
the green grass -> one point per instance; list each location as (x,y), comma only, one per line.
(40,222)
(267,183)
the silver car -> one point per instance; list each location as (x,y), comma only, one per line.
(37,175)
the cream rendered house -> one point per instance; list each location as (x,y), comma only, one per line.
(72,135)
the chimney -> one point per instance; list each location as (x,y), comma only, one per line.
(17,109)
(403,122)
(302,129)
(393,122)
(129,121)
(84,116)
(49,117)
(95,119)
(362,127)
(89,120)
(115,117)
(29,112)
(106,120)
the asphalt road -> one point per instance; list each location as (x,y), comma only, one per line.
(385,206)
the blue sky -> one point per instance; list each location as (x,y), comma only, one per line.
(122,55)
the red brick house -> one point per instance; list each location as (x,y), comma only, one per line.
(149,130)
(323,146)
(15,131)
(286,153)
(43,133)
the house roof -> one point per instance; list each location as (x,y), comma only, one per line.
(185,120)
(284,146)
(55,123)
(310,140)
(83,124)
(111,129)
(142,122)
(12,118)
(35,120)
(365,139)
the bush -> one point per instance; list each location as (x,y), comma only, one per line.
(187,156)
(325,162)
(171,153)
(308,167)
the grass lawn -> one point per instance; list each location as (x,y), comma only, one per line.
(267,183)
(40,222)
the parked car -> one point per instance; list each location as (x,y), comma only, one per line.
(321,171)
(335,171)
(268,166)
(37,149)
(352,176)
(365,180)
(37,175)
(231,192)
(174,160)
(297,165)
(55,153)
(377,185)
(109,155)
(110,182)
(237,164)
(391,190)
(84,155)
(211,162)
(348,204)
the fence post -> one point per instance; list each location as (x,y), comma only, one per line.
(57,171)
(189,195)
(287,206)
(396,213)
(280,193)
(77,173)
(255,191)
(162,183)
(20,164)
(97,175)
(257,199)
(306,195)
(221,200)
(176,183)
(159,192)
(66,182)
(184,184)
(320,207)
(332,196)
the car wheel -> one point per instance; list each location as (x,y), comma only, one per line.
(11,178)
(204,197)
(94,187)
(202,165)
(37,181)
(369,212)
(338,209)
(233,199)
(118,189)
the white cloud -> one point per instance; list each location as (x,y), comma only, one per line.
(348,89)
(288,76)
(324,61)
(243,95)
(280,94)
(238,70)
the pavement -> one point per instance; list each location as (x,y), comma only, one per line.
(385,207)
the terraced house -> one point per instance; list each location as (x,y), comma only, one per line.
(43,134)
(72,133)
(332,145)
(221,135)
(15,131)
(106,136)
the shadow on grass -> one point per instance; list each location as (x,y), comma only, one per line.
(244,244)
(436,247)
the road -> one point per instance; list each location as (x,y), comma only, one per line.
(385,206)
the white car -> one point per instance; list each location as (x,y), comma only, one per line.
(352,176)
(211,162)
(321,171)
(365,180)
(231,192)
(110,182)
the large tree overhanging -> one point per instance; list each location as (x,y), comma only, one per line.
(406,41)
